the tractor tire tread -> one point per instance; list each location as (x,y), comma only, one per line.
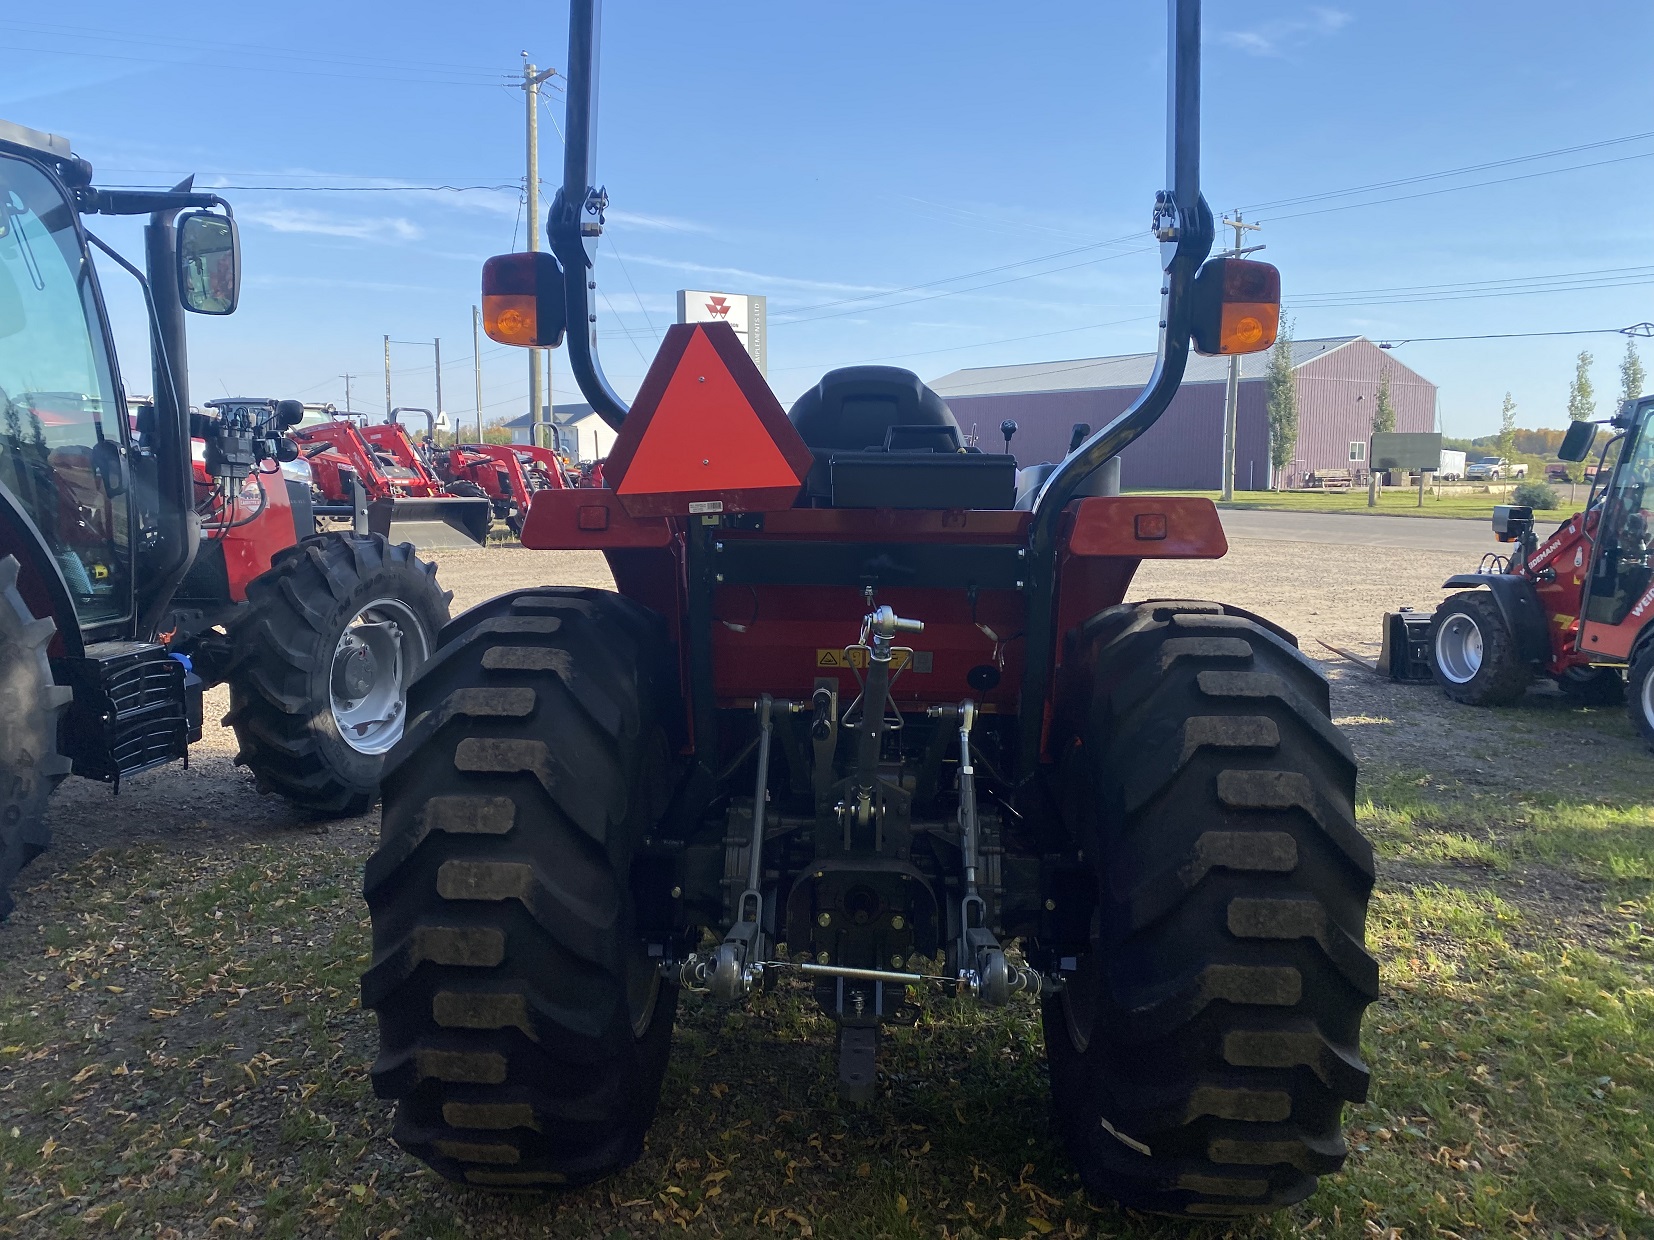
(1229,975)
(500,894)
(31,706)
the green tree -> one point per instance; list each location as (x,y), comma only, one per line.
(1384,413)
(1282,406)
(1582,397)
(1507,427)
(1631,373)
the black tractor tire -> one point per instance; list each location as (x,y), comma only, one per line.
(281,669)
(1473,653)
(30,707)
(1202,1051)
(524,1028)
(1639,694)
(466,489)
(1593,686)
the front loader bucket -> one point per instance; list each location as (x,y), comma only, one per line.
(437,523)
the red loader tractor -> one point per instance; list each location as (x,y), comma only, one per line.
(508,474)
(150,553)
(1578,607)
(370,473)
(857,718)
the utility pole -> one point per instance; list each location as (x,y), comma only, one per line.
(387,379)
(1231,393)
(347,379)
(531,95)
(438,344)
(476,364)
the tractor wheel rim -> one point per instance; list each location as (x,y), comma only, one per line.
(1648,699)
(373,661)
(1459,648)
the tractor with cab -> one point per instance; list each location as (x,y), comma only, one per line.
(857,720)
(150,550)
(1577,607)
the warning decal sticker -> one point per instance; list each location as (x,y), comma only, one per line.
(856,657)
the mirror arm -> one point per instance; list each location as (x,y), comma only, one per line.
(1183,223)
(573,203)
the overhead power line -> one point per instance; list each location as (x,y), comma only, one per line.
(1449,172)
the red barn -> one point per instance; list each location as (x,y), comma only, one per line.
(1337,383)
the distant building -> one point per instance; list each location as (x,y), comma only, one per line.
(580,432)
(1337,381)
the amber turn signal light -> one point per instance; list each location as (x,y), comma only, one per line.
(1237,306)
(522,300)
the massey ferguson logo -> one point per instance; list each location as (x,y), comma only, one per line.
(719,308)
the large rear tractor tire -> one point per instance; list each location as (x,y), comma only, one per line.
(321,662)
(1203,1050)
(30,704)
(524,1028)
(1473,653)
(1639,696)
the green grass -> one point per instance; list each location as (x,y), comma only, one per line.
(183,1049)
(1476,507)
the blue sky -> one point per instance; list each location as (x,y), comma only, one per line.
(835,156)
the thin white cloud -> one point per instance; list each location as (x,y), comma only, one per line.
(1276,38)
(755,278)
(320,223)
(654,223)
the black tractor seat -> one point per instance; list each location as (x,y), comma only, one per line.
(882,439)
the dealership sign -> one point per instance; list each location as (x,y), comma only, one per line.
(743,312)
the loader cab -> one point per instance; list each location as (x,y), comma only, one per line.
(63,429)
(1623,567)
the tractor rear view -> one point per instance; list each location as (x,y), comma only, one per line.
(150,551)
(1578,607)
(858,717)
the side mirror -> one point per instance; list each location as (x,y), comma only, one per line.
(209,262)
(1576,444)
(522,300)
(289,413)
(1237,306)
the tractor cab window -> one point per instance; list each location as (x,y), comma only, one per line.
(59,416)
(1623,566)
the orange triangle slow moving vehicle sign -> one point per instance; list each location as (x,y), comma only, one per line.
(706,434)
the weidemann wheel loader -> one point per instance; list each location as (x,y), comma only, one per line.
(149,551)
(856,716)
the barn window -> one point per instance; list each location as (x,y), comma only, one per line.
(1358,450)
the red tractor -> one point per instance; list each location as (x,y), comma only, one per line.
(508,474)
(1578,607)
(858,718)
(149,553)
(373,466)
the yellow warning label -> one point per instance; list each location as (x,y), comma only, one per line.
(856,657)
